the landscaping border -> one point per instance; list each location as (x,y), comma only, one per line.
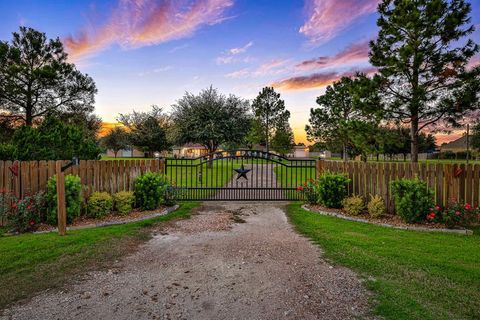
(466,232)
(112,223)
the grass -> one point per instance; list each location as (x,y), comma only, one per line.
(415,275)
(293,177)
(30,263)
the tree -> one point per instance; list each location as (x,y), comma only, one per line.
(211,119)
(422,61)
(36,79)
(53,140)
(116,140)
(282,141)
(346,116)
(269,111)
(148,131)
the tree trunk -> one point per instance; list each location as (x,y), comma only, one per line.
(344,151)
(414,137)
(115,153)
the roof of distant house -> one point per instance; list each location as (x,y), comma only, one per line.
(460,143)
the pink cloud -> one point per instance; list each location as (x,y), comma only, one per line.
(317,80)
(329,17)
(269,68)
(136,23)
(356,52)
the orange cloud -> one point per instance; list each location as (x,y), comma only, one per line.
(329,17)
(316,80)
(136,23)
(356,52)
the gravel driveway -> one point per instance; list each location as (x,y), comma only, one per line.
(229,261)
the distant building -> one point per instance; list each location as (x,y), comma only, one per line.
(189,150)
(126,153)
(456,145)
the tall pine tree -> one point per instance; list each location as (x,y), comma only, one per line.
(422,54)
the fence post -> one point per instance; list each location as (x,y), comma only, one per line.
(161,166)
(320,166)
(61,205)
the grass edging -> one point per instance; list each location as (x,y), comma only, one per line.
(466,232)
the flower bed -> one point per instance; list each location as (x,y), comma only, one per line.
(387,220)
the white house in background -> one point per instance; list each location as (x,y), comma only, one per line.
(300,152)
(126,153)
(189,150)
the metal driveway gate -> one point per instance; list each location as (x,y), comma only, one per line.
(243,175)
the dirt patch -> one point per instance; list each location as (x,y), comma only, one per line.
(209,267)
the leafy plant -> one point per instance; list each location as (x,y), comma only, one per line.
(376,206)
(413,199)
(99,204)
(308,191)
(151,190)
(73,198)
(353,205)
(455,214)
(22,214)
(332,189)
(123,201)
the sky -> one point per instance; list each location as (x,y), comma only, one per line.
(150,52)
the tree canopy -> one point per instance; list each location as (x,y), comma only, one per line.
(148,131)
(116,140)
(211,119)
(36,79)
(269,112)
(422,57)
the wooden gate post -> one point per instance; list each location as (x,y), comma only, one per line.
(161,166)
(320,166)
(61,205)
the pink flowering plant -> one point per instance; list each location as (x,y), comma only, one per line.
(22,214)
(308,191)
(454,214)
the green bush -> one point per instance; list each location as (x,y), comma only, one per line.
(152,190)
(376,206)
(123,201)
(99,204)
(332,189)
(73,197)
(6,151)
(413,199)
(308,192)
(353,205)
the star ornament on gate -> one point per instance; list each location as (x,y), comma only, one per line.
(242,172)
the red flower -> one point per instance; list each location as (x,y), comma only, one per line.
(14,205)
(300,188)
(468,206)
(437,208)
(31,222)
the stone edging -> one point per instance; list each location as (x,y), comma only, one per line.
(112,223)
(341,216)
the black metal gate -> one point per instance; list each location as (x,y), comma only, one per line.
(243,175)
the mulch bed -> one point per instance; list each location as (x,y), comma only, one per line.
(385,220)
(113,217)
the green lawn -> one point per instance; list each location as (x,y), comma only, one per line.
(30,263)
(415,275)
(293,177)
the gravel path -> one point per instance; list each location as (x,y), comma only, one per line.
(229,261)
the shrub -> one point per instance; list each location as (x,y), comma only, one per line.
(332,189)
(6,151)
(455,214)
(99,204)
(73,197)
(308,192)
(151,190)
(353,205)
(376,206)
(22,214)
(413,199)
(123,201)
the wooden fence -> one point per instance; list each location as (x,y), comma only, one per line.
(449,181)
(110,176)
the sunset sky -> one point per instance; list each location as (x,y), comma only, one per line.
(142,52)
